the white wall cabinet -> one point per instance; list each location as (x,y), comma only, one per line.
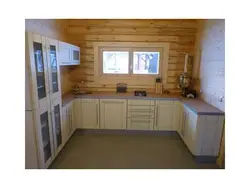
(69,54)
(113,113)
(164,115)
(90,113)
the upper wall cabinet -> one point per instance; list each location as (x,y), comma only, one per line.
(39,76)
(69,54)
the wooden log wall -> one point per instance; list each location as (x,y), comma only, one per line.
(179,33)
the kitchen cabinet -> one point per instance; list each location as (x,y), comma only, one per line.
(113,113)
(56,113)
(44,134)
(37,70)
(68,121)
(201,133)
(78,113)
(178,115)
(65,53)
(164,115)
(140,115)
(53,68)
(43,99)
(69,54)
(90,113)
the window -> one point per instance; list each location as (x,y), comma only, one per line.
(134,63)
(130,60)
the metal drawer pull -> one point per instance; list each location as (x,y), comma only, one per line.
(141,110)
(97,114)
(141,116)
(140,121)
(112,102)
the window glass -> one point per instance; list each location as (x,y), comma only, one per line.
(146,62)
(115,62)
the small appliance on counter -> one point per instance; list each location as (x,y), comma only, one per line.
(140,93)
(184,82)
(121,88)
(158,86)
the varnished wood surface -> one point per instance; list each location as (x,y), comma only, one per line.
(179,33)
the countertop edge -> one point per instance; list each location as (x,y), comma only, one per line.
(71,97)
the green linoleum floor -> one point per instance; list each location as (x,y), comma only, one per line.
(126,151)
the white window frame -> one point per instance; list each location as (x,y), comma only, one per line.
(106,78)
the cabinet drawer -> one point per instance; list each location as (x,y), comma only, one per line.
(165,102)
(141,108)
(141,102)
(113,101)
(90,100)
(140,124)
(138,114)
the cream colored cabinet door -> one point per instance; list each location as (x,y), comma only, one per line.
(113,113)
(90,113)
(178,115)
(37,68)
(190,128)
(56,112)
(140,124)
(78,113)
(65,53)
(64,124)
(70,118)
(164,115)
(53,68)
(45,136)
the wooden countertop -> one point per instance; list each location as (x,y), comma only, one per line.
(197,105)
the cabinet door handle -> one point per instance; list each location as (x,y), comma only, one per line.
(53,132)
(97,115)
(156,123)
(183,123)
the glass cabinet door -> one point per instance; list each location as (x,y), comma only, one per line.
(47,150)
(40,75)
(53,67)
(57,126)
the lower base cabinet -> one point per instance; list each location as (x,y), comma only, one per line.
(140,124)
(78,113)
(113,113)
(201,133)
(90,113)
(68,127)
(164,114)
